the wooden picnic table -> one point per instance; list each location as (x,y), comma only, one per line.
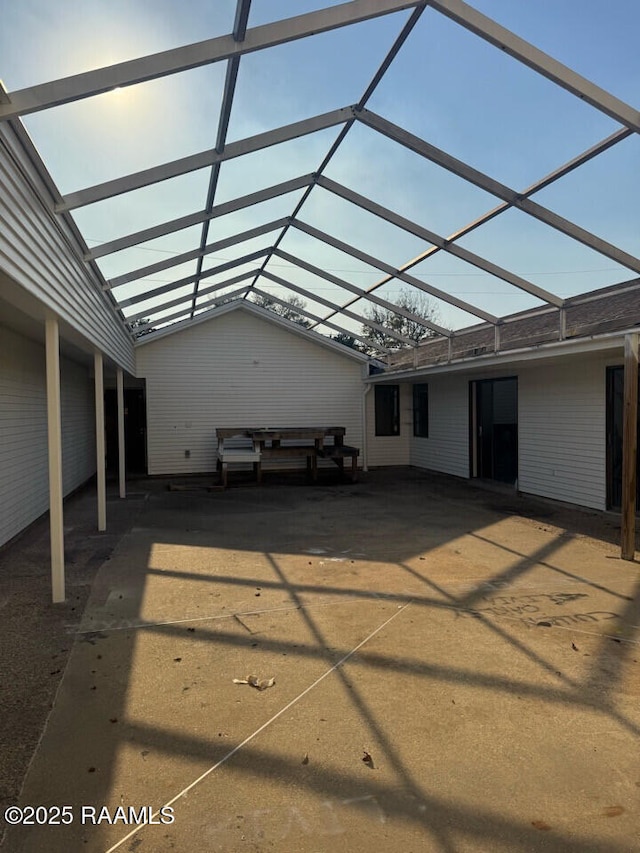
(267,443)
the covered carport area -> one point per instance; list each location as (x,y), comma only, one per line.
(39,407)
(455,669)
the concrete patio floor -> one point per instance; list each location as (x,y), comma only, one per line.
(482,650)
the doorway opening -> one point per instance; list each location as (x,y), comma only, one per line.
(615,415)
(493,408)
(135,430)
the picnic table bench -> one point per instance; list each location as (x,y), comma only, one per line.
(266,443)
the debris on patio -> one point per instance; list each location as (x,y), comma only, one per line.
(368,760)
(254,681)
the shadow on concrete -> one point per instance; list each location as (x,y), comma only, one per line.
(526,608)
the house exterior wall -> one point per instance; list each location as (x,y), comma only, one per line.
(240,370)
(562,431)
(390,449)
(24,483)
(561,427)
(447,447)
(37,251)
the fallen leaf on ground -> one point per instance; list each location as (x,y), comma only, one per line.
(368,760)
(540,824)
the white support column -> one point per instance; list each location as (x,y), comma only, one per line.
(100,450)
(629,448)
(562,323)
(54,433)
(365,423)
(121,444)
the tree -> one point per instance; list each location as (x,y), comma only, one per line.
(141,327)
(217,301)
(290,311)
(347,340)
(417,303)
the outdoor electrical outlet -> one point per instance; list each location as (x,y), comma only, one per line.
(187,454)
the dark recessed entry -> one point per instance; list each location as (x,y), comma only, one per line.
(135,430)
(615,413)
(493,408)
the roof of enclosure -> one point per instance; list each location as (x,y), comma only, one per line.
(602,312)
(340,155)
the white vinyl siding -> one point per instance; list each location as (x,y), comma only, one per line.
(24,479)
(36,252)
(447,448)
(562,431)
(390,449)
(239,370)
(77,401)
(561,428)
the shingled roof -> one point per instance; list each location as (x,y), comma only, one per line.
(598,312)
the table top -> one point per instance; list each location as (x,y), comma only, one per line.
(280,433)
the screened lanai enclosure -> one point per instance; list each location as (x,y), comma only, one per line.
(398,240)
(342,165)
(337,155)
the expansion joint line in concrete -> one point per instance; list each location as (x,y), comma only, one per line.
(330,601)
(276,716)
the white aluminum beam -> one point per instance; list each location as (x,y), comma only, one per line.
(321,321)
(419,231)
(122,487)
(304,312)
(176,260)
(54,443)
(173,285)
(378,76)
(552,177)
(250,145)
(542,63)
(339,282)
(241,19)
(101,485)
(187,311)
(79,86)
(359,318)
(391,55)
(549,179)
(502,191)
(191,219)
(188,297)
(233,64)
(375,262)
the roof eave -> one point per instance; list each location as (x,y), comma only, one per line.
(264,314)
(505,358)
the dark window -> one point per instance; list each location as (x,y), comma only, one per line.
(387,409)
(421,411)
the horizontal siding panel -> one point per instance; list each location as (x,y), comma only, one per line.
(240,370)
(35,250)
(24,485)
(385,450)
(447,447)
(23,434)
(562,431)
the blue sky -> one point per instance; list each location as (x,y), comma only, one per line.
(446,86)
